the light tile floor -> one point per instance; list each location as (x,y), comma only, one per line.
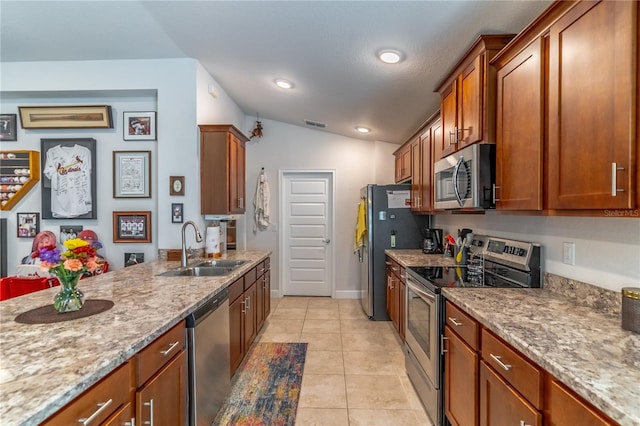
(354,372)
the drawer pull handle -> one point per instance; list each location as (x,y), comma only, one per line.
(498,359)
(455,321)
(173,345)
(150,405)
(130,423)
(101,407)
(522,423)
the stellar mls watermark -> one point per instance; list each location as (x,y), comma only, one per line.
(622,213)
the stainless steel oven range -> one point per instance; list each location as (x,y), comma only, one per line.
(493,262)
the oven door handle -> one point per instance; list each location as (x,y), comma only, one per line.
(418,290)
(456,171)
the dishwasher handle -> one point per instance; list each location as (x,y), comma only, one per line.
(210,306)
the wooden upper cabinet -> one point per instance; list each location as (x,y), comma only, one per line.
(468,97)
(416,174)
(222,169)
(426,171)
(436,141)
(593,107)
(403,163)
(520,130)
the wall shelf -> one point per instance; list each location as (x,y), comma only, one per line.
(19,172)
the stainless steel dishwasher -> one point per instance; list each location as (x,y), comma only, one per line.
(209,372)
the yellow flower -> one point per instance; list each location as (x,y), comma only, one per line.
(75,243)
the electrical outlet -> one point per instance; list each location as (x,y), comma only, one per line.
(569,253)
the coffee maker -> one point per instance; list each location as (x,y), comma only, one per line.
(432,240)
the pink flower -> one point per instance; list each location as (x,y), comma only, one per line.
(73,265)
(92,264)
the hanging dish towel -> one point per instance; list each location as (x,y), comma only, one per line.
(361,226)
(261,204)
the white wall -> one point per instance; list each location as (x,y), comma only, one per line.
(284,146)
(175,88)
(607,249)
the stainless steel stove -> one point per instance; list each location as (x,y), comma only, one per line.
(492,262)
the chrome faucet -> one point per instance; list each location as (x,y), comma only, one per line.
(183,257)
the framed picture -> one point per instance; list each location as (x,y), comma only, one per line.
(69,178)
(139,126)
(131,174)
(28,225)
(69,232)
(8,127)
(131,259)
(176,213)
(66,117)
(132,227)
(176,185)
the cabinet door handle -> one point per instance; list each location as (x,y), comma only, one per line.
(171,346)
(455,321)
(241,202)
(455,134)
(522,423)
(101,407)
(244,306)
(130,423)
(494,193)
(614,179)
(248,302)
(498,359)
(150,405)
(442,349)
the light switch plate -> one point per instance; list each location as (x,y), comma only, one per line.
(569,253)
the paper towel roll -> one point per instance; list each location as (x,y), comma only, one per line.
(212,241)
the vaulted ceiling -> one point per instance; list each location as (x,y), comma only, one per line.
(326,48)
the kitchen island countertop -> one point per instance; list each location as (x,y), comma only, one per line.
(584,348)
(45,366)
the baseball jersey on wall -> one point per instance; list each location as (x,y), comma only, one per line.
(69,168)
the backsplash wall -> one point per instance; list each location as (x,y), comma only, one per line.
(607,249)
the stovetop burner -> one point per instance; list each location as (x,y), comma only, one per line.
(493,262)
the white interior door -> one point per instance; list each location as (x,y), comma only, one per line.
(307,233)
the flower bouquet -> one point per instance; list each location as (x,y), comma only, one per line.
(69,266)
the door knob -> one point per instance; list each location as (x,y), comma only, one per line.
(326,240)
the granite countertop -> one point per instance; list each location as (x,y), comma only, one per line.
(43,367)
(416,257)
(583,347)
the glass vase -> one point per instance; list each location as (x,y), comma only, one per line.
(69,298)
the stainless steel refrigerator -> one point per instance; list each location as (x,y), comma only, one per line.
(390,224)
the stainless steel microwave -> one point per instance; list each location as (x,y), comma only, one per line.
(464,179)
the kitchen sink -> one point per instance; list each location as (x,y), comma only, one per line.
(198,271)
(221,263)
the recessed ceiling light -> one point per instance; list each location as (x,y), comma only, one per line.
(284,84)
(363,129)
(390,56)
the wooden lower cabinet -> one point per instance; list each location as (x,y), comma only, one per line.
(487,382)
(99,402)
(396,294)
(500,404)
(162,400)
(249,307)
(461,378)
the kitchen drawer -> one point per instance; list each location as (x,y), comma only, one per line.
(159,352)
(567,408)
(260,269)
(236,289)
(101,400)
(516,369)
(250,277)
(463,325)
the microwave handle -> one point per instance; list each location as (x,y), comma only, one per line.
(456,170)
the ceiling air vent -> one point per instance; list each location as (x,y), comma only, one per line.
(316,124)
